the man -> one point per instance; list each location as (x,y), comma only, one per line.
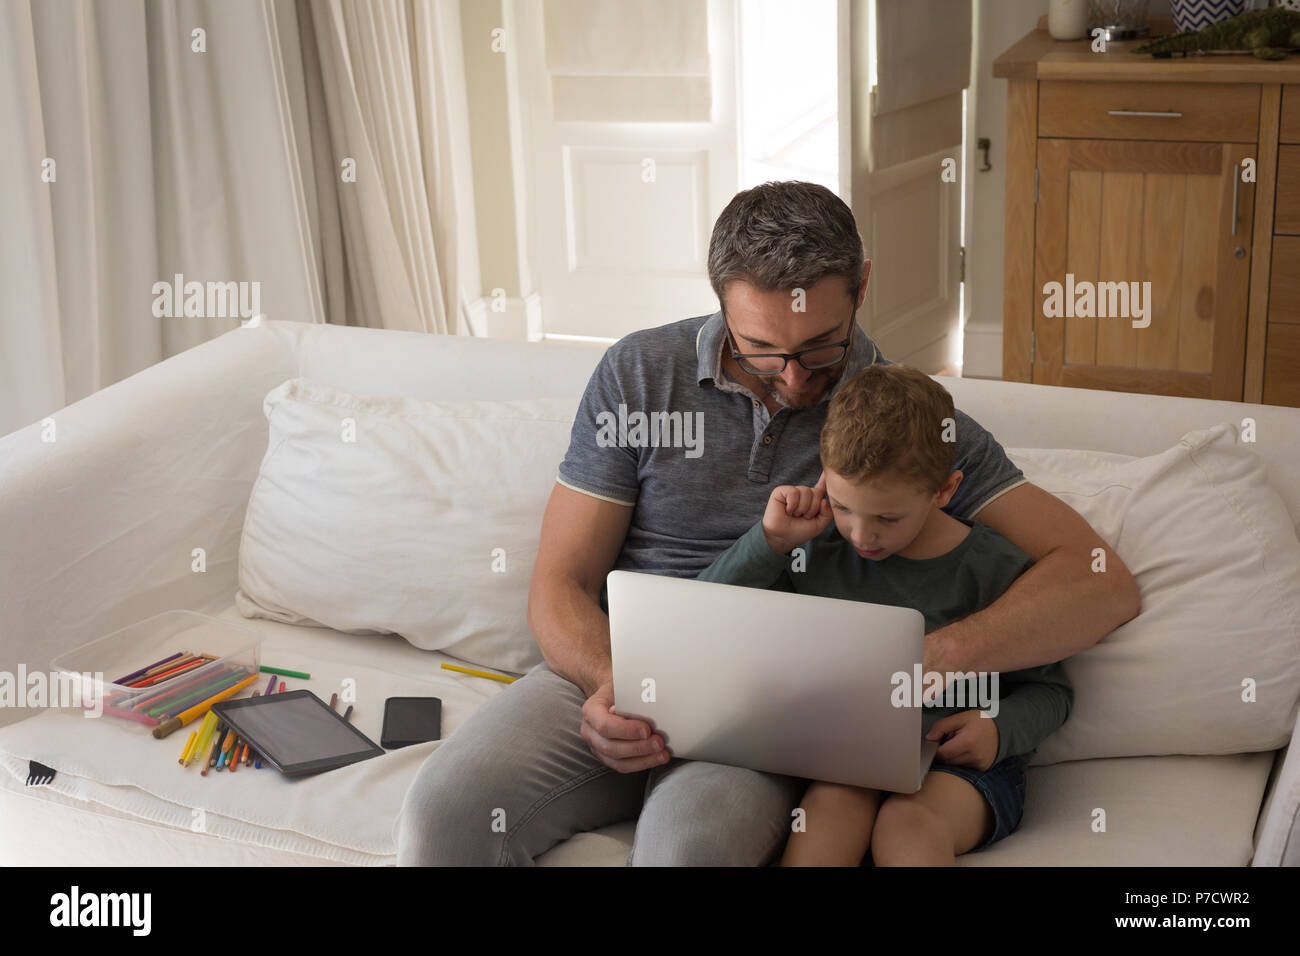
(550,757)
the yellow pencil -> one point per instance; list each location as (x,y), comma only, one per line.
(206,730)
(184,717)
(466,670)
(189,747)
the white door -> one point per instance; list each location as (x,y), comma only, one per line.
(629,123)
(909,63)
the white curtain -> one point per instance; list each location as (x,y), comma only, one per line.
(391,77)
(166,161)
(222,166)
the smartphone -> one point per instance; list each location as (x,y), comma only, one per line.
(410,720)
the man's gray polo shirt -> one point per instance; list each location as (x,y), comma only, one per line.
(661,428)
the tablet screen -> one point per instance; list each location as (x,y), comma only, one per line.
(297,728)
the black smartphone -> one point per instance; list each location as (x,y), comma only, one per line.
(410,720)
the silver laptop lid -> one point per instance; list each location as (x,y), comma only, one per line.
(779,682)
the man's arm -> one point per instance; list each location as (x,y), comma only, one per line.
(581,539)
(1057,608)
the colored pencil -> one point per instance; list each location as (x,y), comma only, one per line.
(301,675)
(169,666)
(189,746)
(134,674)
(216,746)
(466,670)
(143,696)
(174,662)
(189,697)
(171,674)
(183,718)
(207,730)
(226,747)
(205,725)
(248,753)
(132,715)
(152,696)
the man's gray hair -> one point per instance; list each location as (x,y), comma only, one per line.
(785,235)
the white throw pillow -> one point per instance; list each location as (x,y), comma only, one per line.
(1217,561)
(426,525)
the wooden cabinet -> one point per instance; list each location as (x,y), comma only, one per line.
(1137,257)
(1149,225)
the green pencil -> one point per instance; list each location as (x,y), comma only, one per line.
(284,673)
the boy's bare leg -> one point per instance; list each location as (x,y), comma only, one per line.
(838,821)
(945,818)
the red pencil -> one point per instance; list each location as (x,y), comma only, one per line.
(159,678)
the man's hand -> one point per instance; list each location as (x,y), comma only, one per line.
(620,743)
(795,514)
(972,740)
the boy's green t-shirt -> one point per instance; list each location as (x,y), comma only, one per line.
(1032,702)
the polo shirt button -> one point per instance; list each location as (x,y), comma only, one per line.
(767,439)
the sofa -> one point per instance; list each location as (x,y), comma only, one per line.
(103,505)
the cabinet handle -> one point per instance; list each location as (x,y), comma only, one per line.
(1165,113)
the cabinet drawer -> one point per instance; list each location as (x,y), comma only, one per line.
(1288,191)
(1284,281)
(1214,112)
(1290,113)
(1282,365)
(1282,345)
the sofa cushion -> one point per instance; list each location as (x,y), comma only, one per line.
(1211,665)
(347,815)
(391,515)
(1136,811)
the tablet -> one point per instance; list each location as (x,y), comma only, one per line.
(297,732)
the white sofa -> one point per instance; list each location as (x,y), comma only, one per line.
(97,530)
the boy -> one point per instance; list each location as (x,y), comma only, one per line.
(887,452)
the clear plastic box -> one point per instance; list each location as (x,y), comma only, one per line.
(92,670)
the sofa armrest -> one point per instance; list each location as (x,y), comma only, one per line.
(1277,834)
(98,526)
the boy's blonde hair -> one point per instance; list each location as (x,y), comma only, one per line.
(887,421)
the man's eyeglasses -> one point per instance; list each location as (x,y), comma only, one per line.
(774,363)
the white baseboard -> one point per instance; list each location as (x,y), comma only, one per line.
(520,319)
(982,352)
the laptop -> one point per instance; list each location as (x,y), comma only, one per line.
(773,681)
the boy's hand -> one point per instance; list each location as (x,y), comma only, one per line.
(795,514)
(972,740)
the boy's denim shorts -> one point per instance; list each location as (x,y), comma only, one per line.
(1003,786)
